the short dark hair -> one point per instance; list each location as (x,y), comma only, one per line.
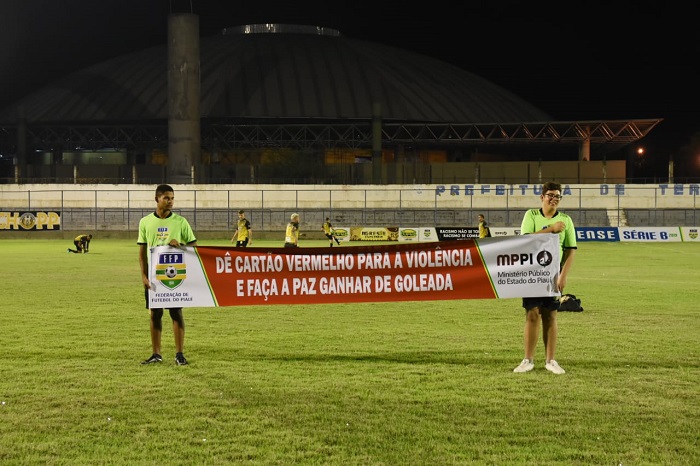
(551,186)
(241,211)
(163,188)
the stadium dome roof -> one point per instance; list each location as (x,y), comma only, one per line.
(290,72)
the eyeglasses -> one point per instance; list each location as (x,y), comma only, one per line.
(554,196)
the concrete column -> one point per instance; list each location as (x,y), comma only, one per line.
(22,159)
(377,143)
(584,150)
(605,170)
(184,138)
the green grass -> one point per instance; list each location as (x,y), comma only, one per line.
(358,384)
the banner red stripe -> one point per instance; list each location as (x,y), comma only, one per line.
(402,272)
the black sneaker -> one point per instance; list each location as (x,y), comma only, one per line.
(153,359)
(180,359)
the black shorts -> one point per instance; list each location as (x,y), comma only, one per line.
(290,245)
(547,303)
(242,243)
(329,235)
(145,295)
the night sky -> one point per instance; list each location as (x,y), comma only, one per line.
(592,60)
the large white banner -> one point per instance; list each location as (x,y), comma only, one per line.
(206,276)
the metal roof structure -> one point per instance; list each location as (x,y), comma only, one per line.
(294,86)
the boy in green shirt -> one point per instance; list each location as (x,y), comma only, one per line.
(547,219)
(163,227)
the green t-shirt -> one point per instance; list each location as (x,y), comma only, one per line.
(156,231)
(535,220)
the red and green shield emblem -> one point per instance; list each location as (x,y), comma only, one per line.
(171,269)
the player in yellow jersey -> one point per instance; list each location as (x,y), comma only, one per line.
(329,231)
(82,244)
(484,230)
(243,236)
(291,236)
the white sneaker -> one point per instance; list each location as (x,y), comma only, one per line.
(525,366)
(554,367)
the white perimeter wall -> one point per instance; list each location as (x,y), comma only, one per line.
(520,196)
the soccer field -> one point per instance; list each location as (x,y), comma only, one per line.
(404,383)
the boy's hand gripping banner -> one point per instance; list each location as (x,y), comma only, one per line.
(208,276)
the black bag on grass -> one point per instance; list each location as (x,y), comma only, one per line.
(569,302)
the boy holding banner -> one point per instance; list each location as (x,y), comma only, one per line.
(547,219)
(163,227)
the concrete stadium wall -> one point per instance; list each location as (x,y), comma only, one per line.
(116,209)
(333,197)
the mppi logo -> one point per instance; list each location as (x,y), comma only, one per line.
(693,233)
(544,258)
